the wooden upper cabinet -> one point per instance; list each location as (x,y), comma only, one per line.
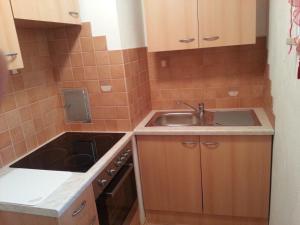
(170,173)
(187,24)
(55,11)
(171,24)
(236,175)
(225,23)
(9,43)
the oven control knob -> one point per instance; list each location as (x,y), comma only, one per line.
(128,150)
(118,163)
(102,182)
(111,172)
(125,154)
(122,158)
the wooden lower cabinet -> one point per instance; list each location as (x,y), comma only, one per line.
(82,212)
(236,175)
(170,173)
(211,180)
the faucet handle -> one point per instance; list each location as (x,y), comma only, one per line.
(201,105)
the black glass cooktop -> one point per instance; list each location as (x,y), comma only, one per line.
(75,152)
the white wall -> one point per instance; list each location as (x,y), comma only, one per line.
(121,21)
(104,20)
(131,23)
(285,201)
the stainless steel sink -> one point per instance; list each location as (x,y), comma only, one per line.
(211,118)
(176,119)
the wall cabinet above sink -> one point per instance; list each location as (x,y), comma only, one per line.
(187,24)
(171,24)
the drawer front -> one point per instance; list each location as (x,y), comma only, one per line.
(83,211)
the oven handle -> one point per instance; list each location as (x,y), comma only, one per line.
(119,185)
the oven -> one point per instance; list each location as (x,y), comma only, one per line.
(115,190)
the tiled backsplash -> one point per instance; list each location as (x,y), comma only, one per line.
(89,65)
(31,112)
(206,75)
(268,98)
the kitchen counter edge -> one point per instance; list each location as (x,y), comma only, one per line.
(62,198)
(265,128)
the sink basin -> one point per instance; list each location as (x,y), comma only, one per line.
(176,119)
(211,118)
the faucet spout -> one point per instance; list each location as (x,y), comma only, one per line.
(186,104)
(200,111)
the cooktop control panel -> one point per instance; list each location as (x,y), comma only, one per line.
(112,169)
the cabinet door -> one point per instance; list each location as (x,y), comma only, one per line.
(9,43)
(170,173)
(171,24)
(224,23)
(58,11)
(236,175)
(83,211)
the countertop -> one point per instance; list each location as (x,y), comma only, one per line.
(265,128)
(58,201)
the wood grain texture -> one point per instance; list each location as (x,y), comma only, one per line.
(11,218)
(56,11)
(8,36)
(160,218)
(170,21)
(236,175)
(170,173)
(88,215)
(233,21)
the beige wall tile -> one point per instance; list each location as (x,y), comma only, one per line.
(206,75)
(5,139)
(100,43)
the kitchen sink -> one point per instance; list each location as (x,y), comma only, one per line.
(210,118)
(176,119)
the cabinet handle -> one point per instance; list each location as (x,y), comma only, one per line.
(11,54)
(190,144)
(78,211)
(74,14)
(189,40)
(211,145)
(211,38)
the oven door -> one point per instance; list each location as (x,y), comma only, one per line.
(116,201)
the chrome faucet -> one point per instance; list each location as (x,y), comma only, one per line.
(200,111)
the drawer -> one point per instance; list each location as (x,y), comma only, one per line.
(83,211)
